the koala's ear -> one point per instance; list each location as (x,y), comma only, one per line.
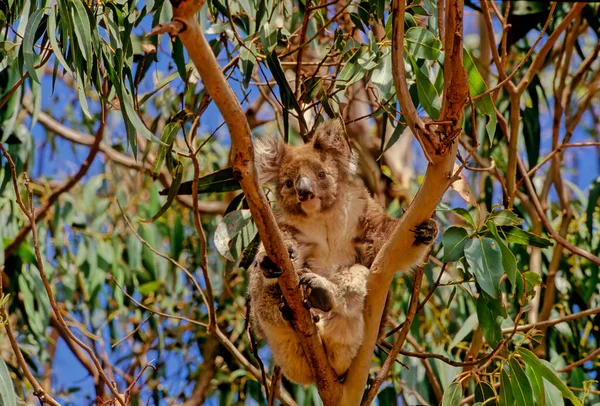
(270,151)
(331,137)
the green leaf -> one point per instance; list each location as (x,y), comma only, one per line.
(268,37)
(452,395)
(29,56)
(518,236)
(477,86)
(247,63)
(490,327)
(545,370)
(593,196)
(428,95)
(382,76)
(506,218)
(453,241)
(466,328)
(83,32)
(229,227)
(135,120)
(177,177)
(178,57)
(532,133)
(506,396)
(521,388)
(421,44)
(537,384)
(352,71)
(215,182)
(250,252)
(167,137)
(485,261)
(285,92)
(81,89)
(150,287)
(465,215)
(484,392)
(553,395)
(509,262)
(387,396)
(398,131)
(52,36)
(8,396)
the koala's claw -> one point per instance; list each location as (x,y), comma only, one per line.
(286,310)
(426,232)
(317,294)
(269,268)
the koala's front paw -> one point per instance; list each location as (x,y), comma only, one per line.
(317,292)
(286,310)
(426,232)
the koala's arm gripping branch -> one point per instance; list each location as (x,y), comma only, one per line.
(437,179)
(186,26)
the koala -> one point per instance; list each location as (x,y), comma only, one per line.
(334,230)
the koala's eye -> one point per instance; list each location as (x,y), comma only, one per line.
(289,183)
(322,175)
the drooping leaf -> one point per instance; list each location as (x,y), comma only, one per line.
(215,182)
(453,241)
(521,388)
(509,262)
(250,252)
(422,44)
(150,287)
(387,396)
(537,384)
(593,196)
(29,56)
(484,392)
(52,36)
(532,133)
(8,396)
(506,218)
(382,76)
(506,396)
(426,91)
(519,236)
(545,370)
(465,215)
(288,99)
(477,86)
(177,177)
(469,325)
(452,395)
(485,261)
(229,227)
(490,327)
(168,136)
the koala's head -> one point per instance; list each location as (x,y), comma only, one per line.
(307,179)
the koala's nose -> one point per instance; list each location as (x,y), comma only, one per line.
(304,189)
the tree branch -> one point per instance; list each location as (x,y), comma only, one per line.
(437,180)
(187,27)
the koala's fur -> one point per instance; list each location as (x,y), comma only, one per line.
(334,230)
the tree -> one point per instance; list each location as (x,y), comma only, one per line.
(120,296)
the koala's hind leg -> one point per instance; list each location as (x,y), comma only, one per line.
(342,326)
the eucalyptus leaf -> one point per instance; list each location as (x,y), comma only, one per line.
(485,261)
(8,396)
(229,227)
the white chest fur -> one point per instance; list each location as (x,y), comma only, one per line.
(329,237)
